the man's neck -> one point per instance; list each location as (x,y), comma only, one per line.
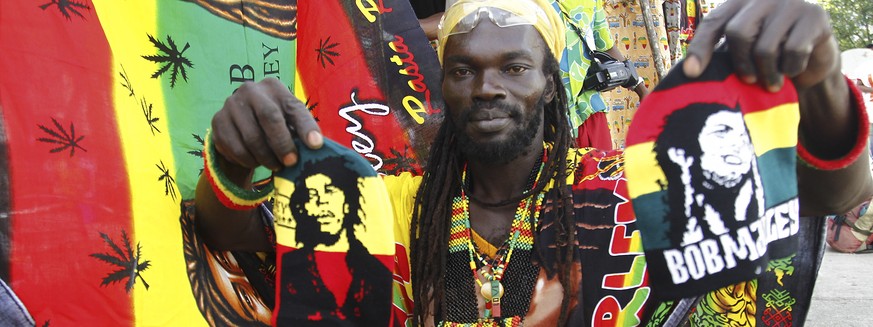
(341,245)
(497,182)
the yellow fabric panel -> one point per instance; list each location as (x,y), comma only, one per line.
(773,128)
(156,214)
(645,168)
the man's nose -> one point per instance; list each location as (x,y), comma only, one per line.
(489,85)
(319,199)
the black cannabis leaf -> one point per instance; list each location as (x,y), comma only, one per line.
(311,108)
(60,137)
(46,323)
(66,7)
(172,58)
(325,51)
(126,83)
(169,182)
(198,151)
(129,265)
(399,162)
(147,112)
(143,104)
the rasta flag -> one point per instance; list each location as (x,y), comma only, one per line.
(105,106)
(717,206)
(712,178)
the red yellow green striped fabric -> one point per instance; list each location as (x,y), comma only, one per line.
(105,107)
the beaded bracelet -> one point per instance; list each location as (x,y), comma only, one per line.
(231,195)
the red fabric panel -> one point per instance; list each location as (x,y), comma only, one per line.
(59,68)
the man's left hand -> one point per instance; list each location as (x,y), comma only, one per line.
(769,39)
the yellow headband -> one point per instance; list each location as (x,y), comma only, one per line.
(544,18)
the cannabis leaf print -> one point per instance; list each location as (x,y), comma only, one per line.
(62,139)
(169,182)
(147,112)
(171,58)
(311,108)
(198,151)
(326,51)
(66,7)
(400,162)
(129,265)
(147,107)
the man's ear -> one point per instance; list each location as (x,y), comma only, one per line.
(345,208)
(549,92)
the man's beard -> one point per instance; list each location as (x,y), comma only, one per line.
(714,181)
(501,152)
(309,233)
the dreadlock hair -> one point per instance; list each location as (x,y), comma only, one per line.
(431,217)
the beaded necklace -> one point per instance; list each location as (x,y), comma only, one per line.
(521,238)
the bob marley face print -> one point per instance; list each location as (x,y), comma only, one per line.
(727,150)
(716,187)
(711,171)
(327,203)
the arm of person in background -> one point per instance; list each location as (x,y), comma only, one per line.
(769,40)
(862,87)
(254,128)
(600,28)
(430,25)
(640,88)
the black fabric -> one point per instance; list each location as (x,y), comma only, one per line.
(518,283)
(303,294)
(426,8)
(252,265)
(784,298)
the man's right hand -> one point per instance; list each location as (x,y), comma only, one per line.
(255,127)
(257,124)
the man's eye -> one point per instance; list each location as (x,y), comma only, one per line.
(462,72)
(516,69)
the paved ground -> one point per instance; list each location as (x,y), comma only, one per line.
(843,295)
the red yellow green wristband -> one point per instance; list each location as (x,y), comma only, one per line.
(230,194)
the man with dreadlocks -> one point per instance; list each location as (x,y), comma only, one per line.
(500,228)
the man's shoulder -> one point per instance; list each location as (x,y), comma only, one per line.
(402,185)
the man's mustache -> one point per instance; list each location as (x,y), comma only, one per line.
(513,111)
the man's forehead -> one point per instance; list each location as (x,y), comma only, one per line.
(501,42)
(466,15)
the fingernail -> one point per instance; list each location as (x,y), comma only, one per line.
(289,159)
(691,67)
(775,83)
(749,79)
(315,139)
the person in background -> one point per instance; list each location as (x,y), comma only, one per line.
(585,21)
(429,13)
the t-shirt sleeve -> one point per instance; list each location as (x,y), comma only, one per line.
(401,191)
(602,36)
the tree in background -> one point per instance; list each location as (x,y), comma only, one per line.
(852,21)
